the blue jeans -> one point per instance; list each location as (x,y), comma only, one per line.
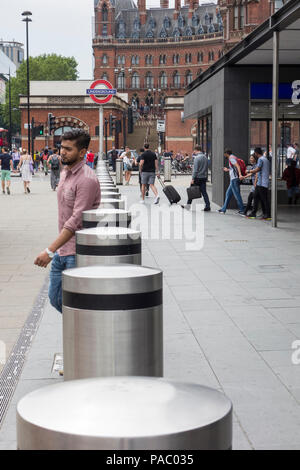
(91,165)
(59,264)
(233,190)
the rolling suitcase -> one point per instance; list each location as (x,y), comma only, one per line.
(172,195)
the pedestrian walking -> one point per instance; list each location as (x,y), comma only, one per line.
(127,167)
(140,176)
(90,159)
(262,186)
(26,168)
(45,157)
(148,168)
(292,177)
(236,175)
(199,176)
(297,154)
(6,162)
(78,191)
(54,163)
(16,158)
(249,206)
(114,156)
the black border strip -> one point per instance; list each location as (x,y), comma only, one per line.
(110,250)
(112,302)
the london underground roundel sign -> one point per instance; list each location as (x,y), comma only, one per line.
(101,91)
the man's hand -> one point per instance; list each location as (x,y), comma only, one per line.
(192,182)
(43,259)
(226,169)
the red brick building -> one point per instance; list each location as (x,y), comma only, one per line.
(68,102)
(153,54)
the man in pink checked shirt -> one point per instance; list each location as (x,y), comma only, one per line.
(78,191)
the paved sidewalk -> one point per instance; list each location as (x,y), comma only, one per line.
(27,224)
(231,314)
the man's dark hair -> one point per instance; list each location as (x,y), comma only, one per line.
(141,150)
(55,150)
(258,150)
(5,149)
(198,147)
(81,138)
(228,151)
(146,146)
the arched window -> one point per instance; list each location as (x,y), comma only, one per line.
(242,16)
(200,30)
(163,34)
(149,34)
(162,59)
(104,76)
(180,21)
(104,13)
(176,33)
(119,60)
(149,80)
(188,77)
(176,79)
(199,72)
(137,60)
(188,58)
(135,80)
(220,54)
(133,60)
(195,20)
(104,30)
(236,17)
(200,57)
(104,59)
(211,56)
(167,22)
(148,59)
(121,81)
(163,80)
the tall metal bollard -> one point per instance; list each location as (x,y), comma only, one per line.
(112,204)
(119,171)
(108,245)
(106,218)
(125,413)
(112,321)
(167,168)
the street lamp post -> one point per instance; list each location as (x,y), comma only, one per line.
(9,104)
(27,20)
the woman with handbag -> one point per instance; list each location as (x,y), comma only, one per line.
(26,168)
(127,166)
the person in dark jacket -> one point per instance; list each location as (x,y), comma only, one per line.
(199,176)
(292,177)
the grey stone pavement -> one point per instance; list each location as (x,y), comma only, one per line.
(231,313)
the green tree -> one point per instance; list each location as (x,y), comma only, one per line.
(44,67)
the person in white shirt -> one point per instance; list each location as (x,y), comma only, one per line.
(291,152)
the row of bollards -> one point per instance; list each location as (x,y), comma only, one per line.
(113,396)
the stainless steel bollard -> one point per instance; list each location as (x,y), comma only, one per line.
(119,171)
(106,218)
(112,204)
(112,321)
(109,188)
(125,413)
(167,168)
(110,195)
(108,245)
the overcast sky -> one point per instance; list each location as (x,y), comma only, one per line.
(59,26)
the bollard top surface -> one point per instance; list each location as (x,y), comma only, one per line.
(127,407)
(103,212)
(108,236)
(112,280)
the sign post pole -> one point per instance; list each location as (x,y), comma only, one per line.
(101,96)
(100,132)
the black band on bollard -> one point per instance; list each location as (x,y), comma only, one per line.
(110,250)
(112,302)
(100,223)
